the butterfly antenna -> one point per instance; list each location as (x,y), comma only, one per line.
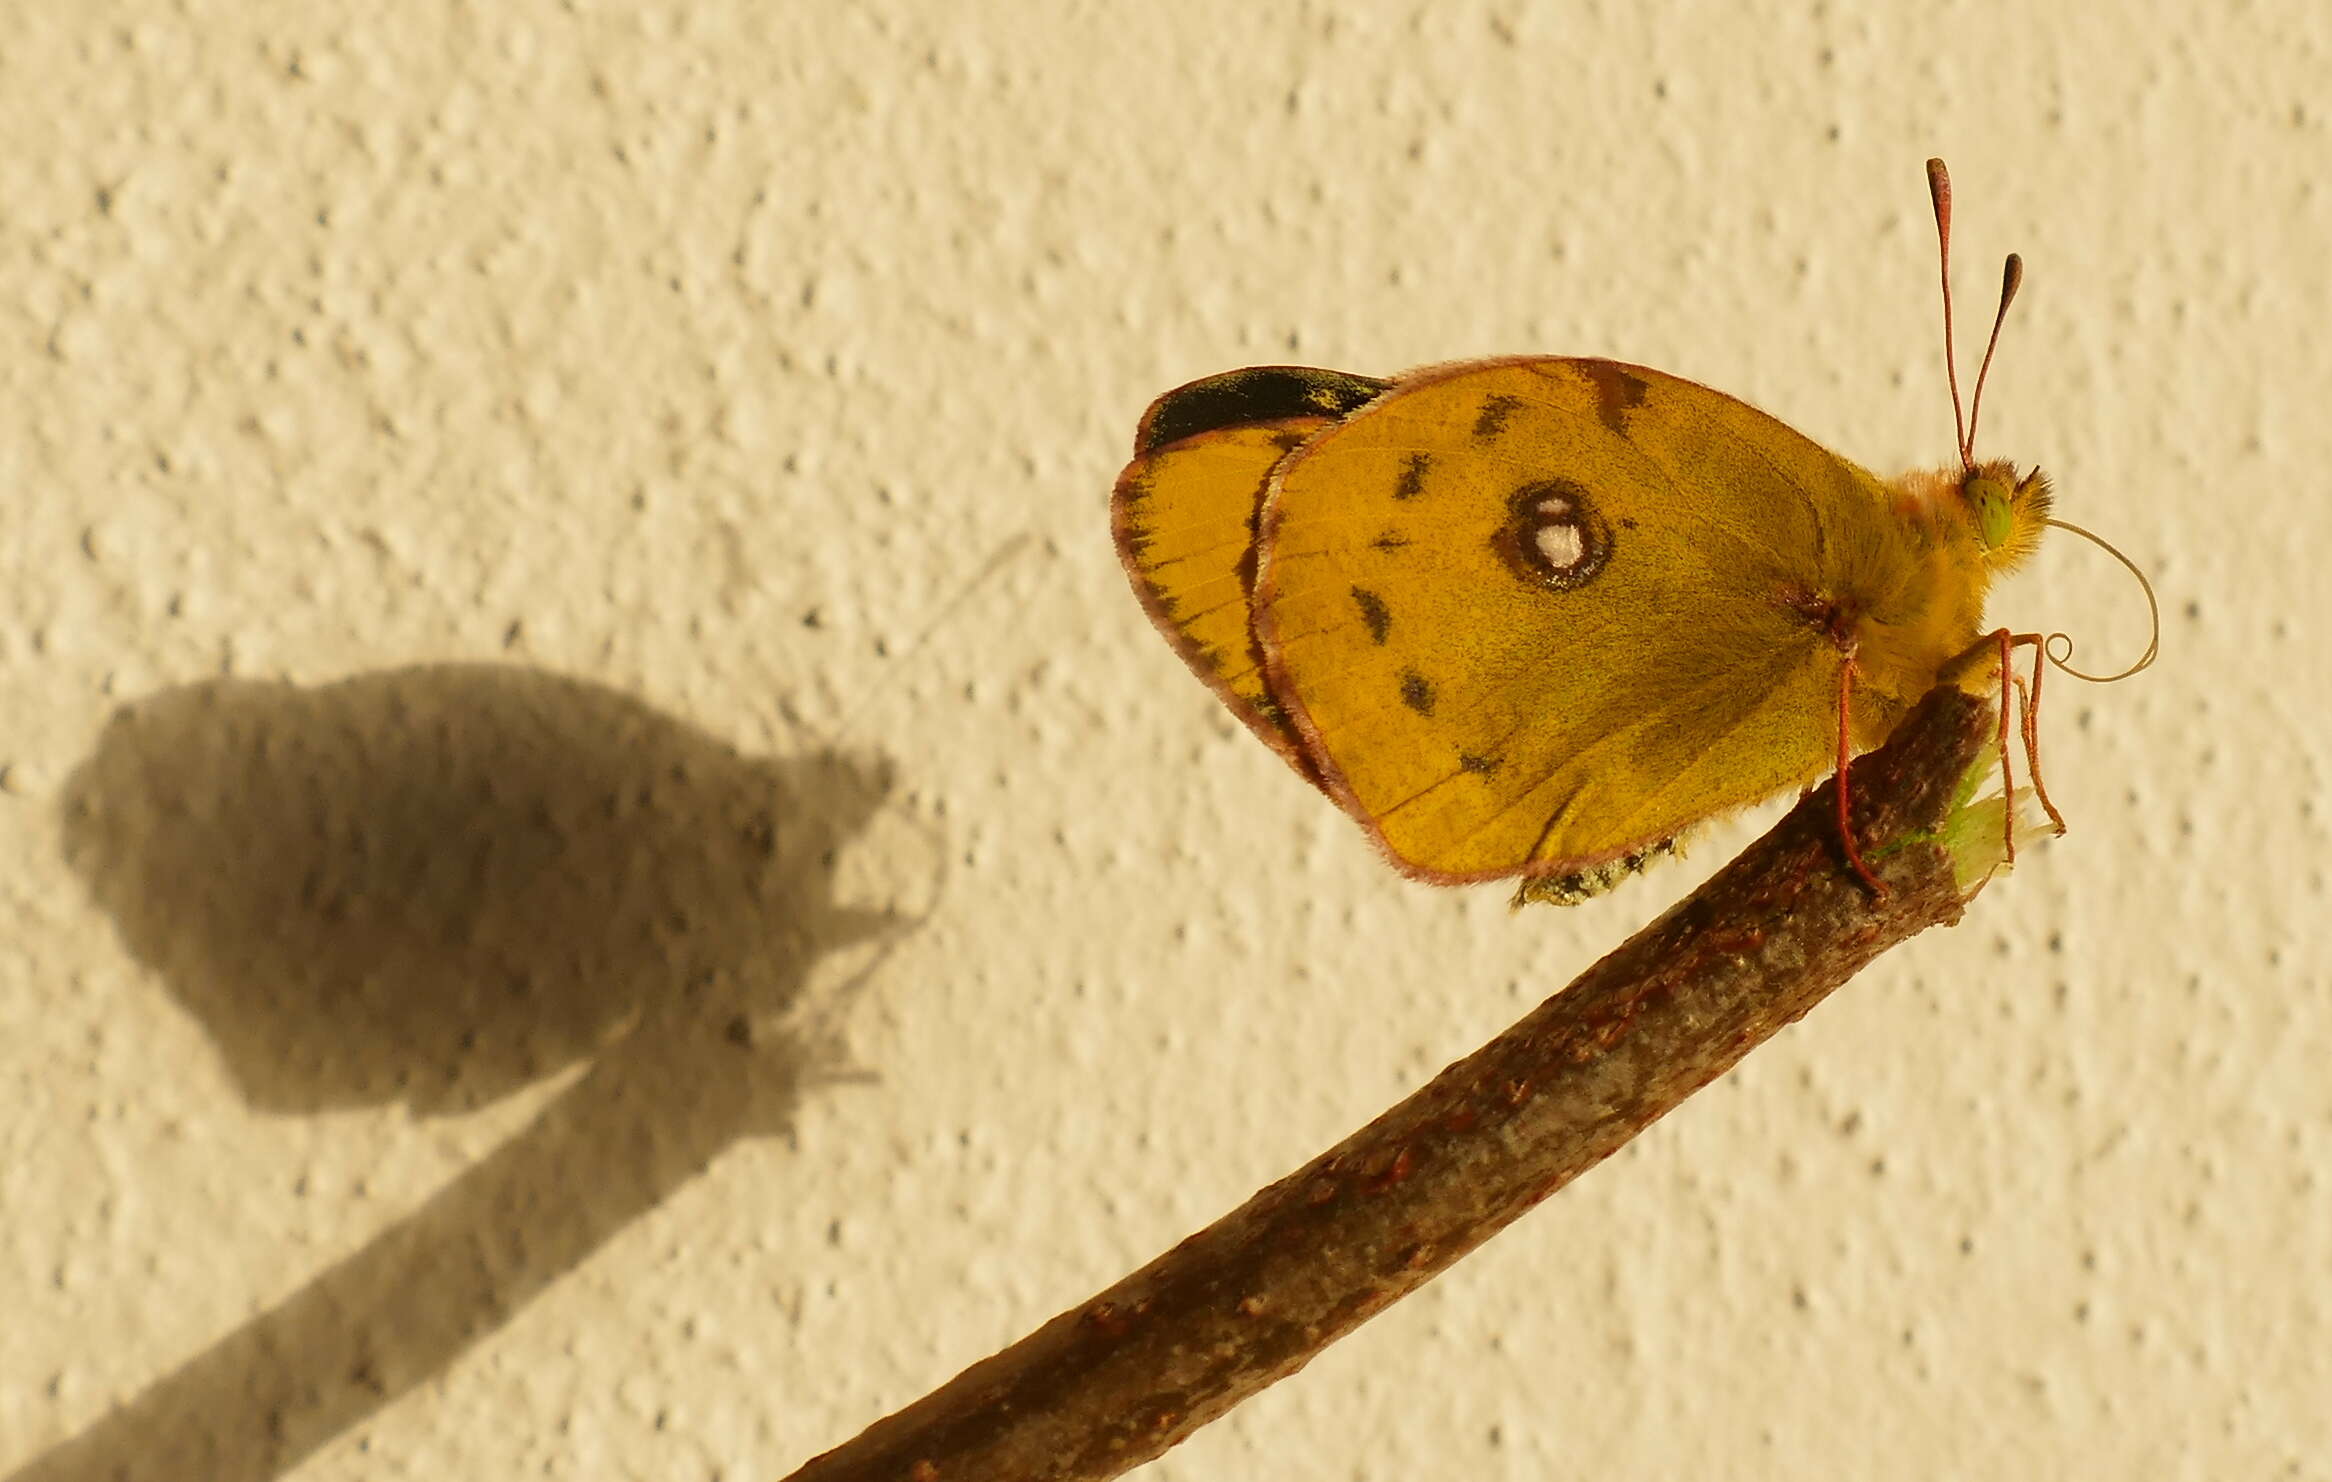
(2011,279)
(2061,655)
(1939,191)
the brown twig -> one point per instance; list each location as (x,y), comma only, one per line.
(1118,1379)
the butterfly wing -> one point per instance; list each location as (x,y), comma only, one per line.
(1538,616)
(1185,512)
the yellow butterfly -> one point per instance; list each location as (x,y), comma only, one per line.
(1540,616)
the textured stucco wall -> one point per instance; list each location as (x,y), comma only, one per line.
(487,493)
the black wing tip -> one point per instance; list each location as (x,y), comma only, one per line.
(1259,393)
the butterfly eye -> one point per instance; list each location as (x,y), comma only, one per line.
(1990,499)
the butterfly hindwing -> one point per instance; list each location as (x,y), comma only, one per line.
(1537,615)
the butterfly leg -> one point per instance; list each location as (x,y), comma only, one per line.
(2029,716)
(2027,710)
(2007,642)
(1845,754)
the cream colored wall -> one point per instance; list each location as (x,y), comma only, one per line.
(368,1101)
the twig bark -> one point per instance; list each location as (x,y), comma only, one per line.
(1118,1379)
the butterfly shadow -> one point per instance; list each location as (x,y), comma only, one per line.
(439,885)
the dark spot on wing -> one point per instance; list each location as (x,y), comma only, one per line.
(1372,612)
(1617,392)
(1416,692)
(1391,540)
(1413,476)
(1479,765)
(1495,411)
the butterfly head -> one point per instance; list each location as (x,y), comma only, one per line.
(2007,513)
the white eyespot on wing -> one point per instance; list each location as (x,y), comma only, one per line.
(1553,536)
(1561,545)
